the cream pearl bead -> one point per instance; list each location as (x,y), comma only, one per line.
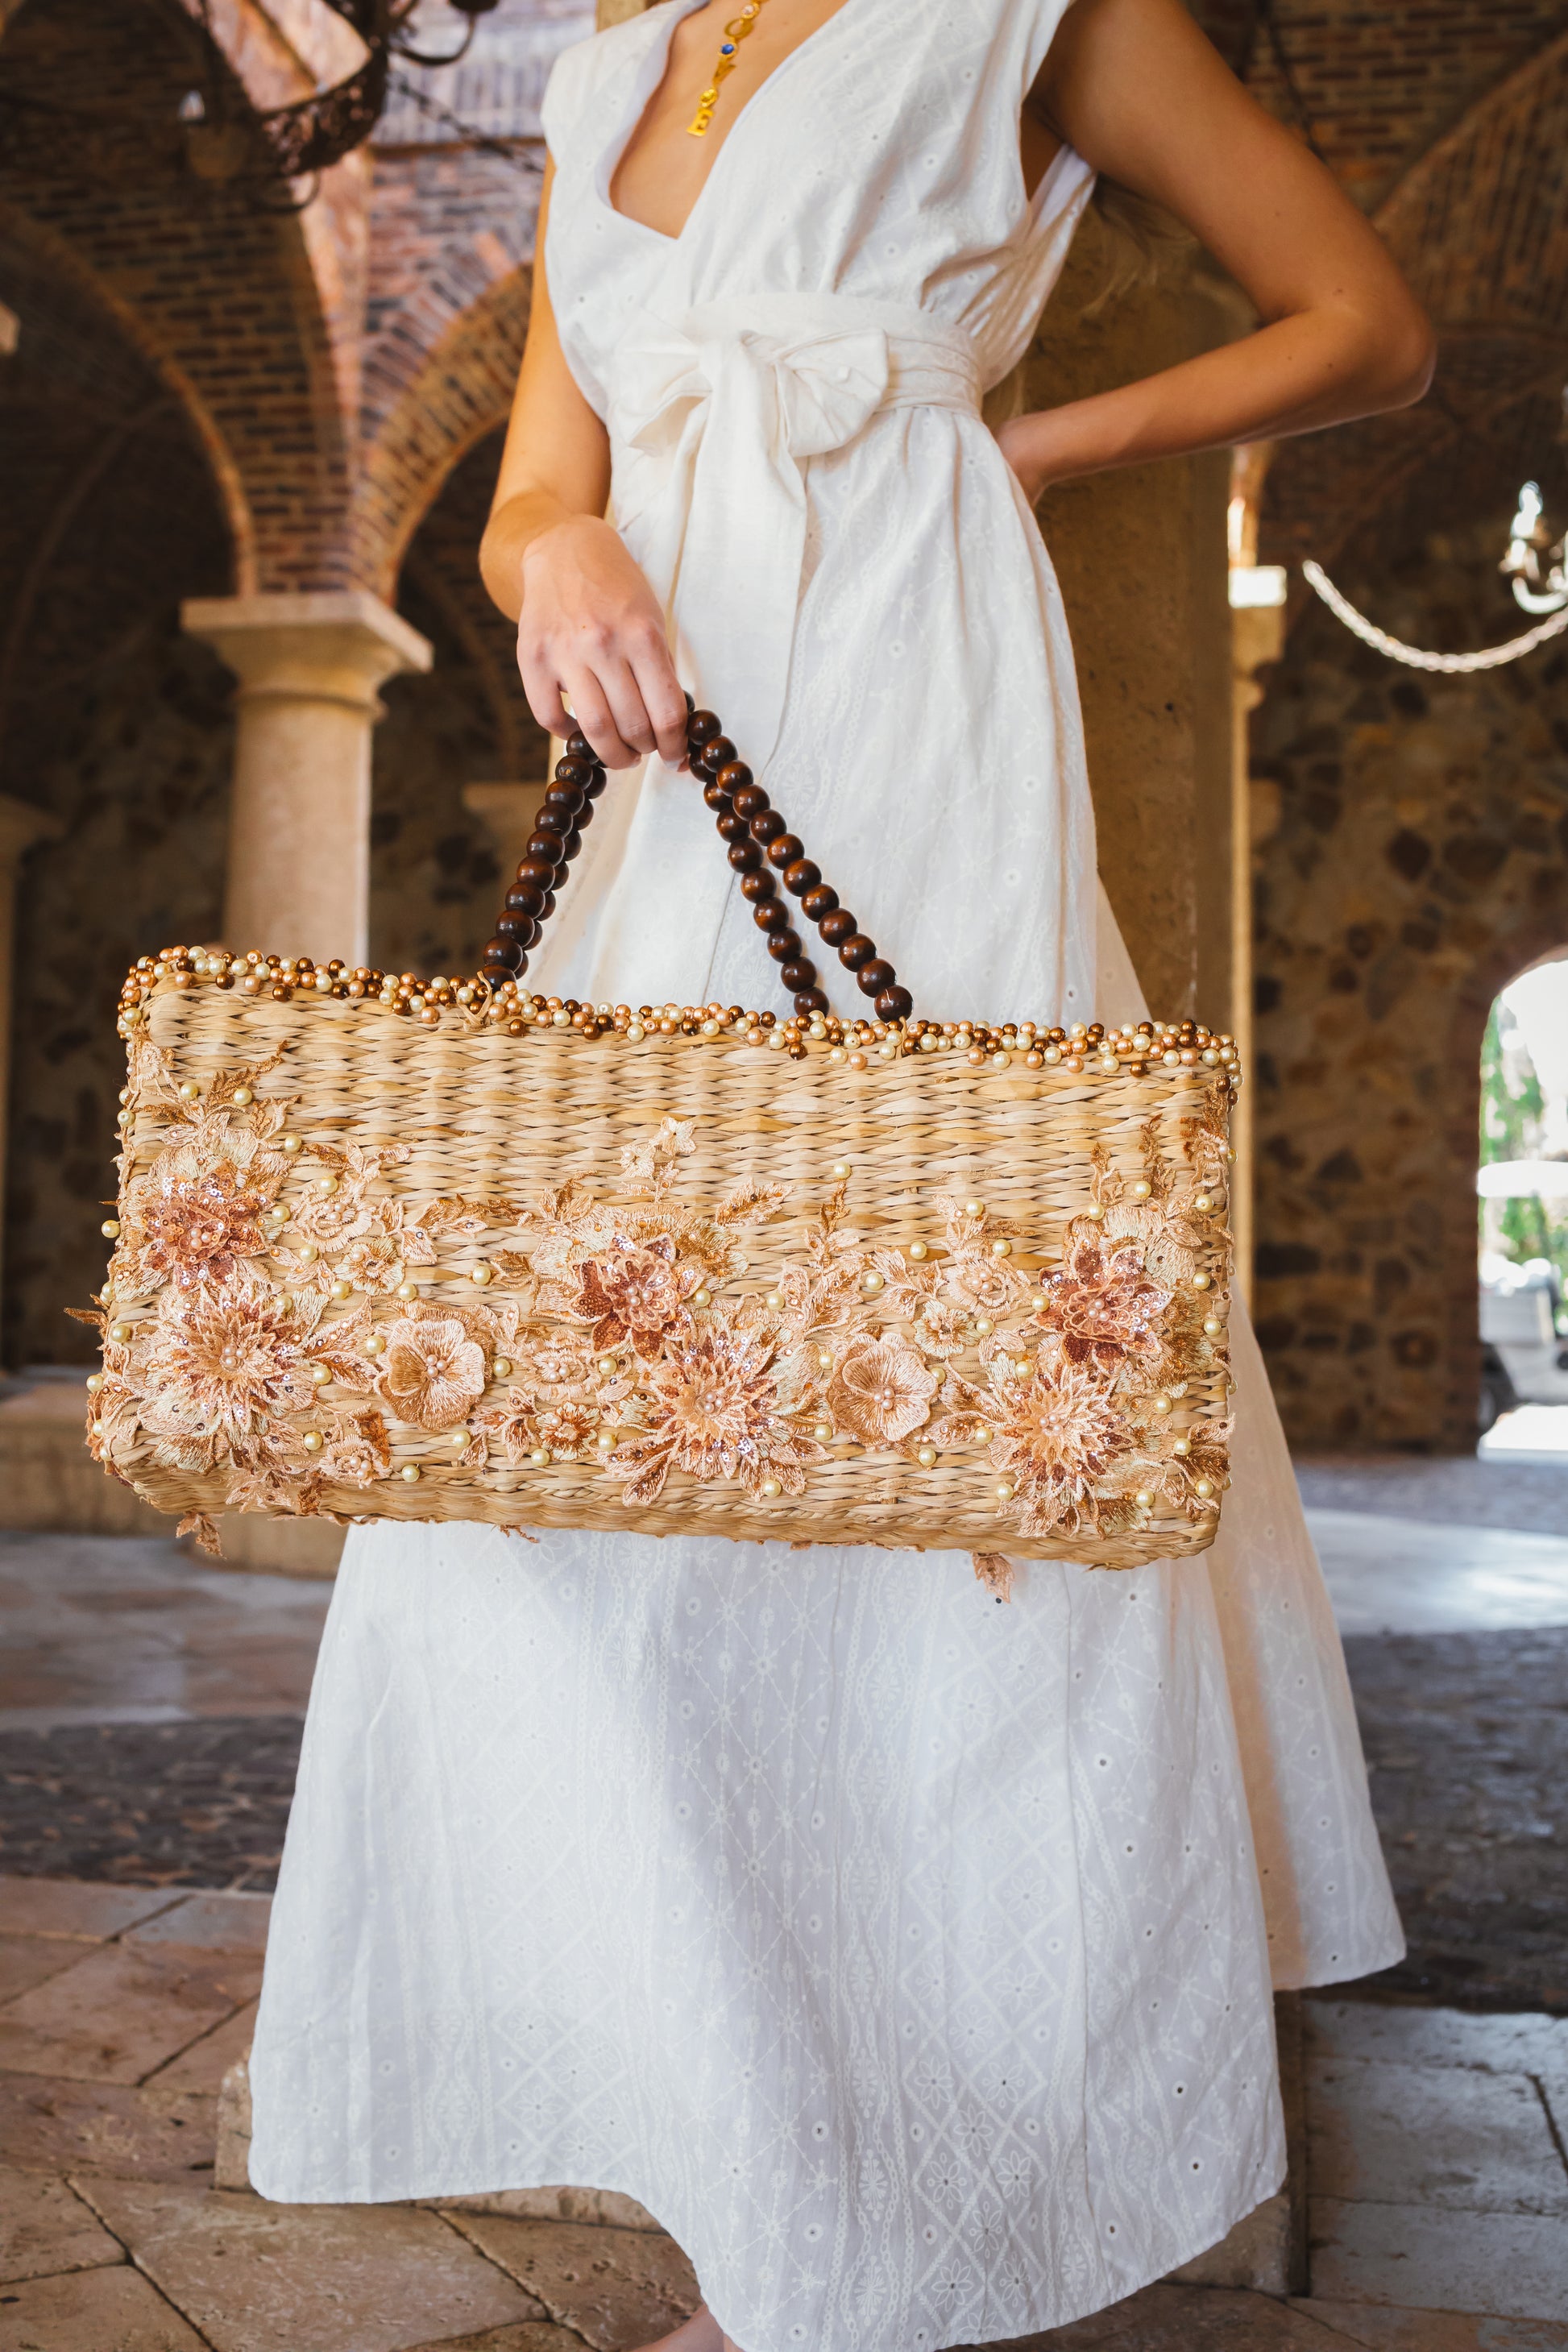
(408,1290)
(501,1367)
(770,1489)
(919,1251)
(242,1097)
(925,1456)
(1213,1326)
(482,1275)
(313,1440)
(410,1472)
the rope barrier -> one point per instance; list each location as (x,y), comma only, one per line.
(1413,656)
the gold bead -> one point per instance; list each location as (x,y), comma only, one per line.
(242,1097)
(410,1472)
(482,1275)
(925,1456)
(501,1367)
(408,1290)
(858,1061)
(919,1251)
(109,1229)
(770,1489)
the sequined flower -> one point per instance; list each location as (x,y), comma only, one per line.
(196,1213)
(1056,1433)
(219,1366)
(636,1291)
(880,1391)
(710,1410)
(1103,1305)
(433,1372)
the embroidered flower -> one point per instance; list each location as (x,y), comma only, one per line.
(219,1366)
(636,1292)
(710,1411)
(1057,1432)
(1103,1305)
(433,1372)
(880,1391)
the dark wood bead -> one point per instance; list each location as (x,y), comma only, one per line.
(717,798)
(874,977)
(800,876)
(526,898)
(549,820)
(799,972)
(895,1005)
(856,950)
(718,754)
(745,856)
(783,850)
(810,1000)
(732,827)
(735,776)
(838,926)
(758,886)
(750,799)
(578,746)
(574,772)
(549,906)
(782,946)
(701,726)
(596,783)
(573,843)
(766,827)
(584,816)
(514,927)
(538,866)
(771,915)
(820,899)
(503,953)
(569,797)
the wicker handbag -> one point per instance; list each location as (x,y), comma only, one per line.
(391,1249)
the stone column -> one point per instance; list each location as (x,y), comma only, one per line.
(21,827)
(309,665)
(1257,636)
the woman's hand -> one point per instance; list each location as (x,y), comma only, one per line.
(591,636)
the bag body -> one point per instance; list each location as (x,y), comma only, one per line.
(457,1251)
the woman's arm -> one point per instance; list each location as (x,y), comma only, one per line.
(590,632)
(1136,89)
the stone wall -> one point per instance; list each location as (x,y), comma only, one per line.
(1415,858)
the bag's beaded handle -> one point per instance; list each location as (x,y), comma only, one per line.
(754,829)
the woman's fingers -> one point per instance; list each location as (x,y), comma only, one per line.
(661,697)
(592,713)
(541,691)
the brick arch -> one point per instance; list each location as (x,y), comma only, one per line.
(227,297)
(1480,224)
(461,391)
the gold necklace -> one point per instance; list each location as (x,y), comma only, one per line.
(735,32)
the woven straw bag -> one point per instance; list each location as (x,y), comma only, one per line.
(434,1251)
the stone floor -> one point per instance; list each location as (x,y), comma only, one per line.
(149,1715)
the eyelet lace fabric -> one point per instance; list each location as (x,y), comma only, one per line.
(908,1956)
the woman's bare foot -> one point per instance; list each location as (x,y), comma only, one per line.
(700,2333)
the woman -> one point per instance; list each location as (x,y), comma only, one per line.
(909,1957)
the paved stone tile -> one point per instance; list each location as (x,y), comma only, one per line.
(1431,2258)
(125,2011)
(1381,2330)
(92,2311)
(51,2124)
(166,1804)
(553,2205)
(203,2066)
(615,2287)
(1515,2043)
(527,2335)
(257,2277)
(1189,2319)
(45,2227)
(27,1960)
(54,1907)
(1448,2135)
(221,1923)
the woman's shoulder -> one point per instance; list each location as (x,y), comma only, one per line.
(581,71)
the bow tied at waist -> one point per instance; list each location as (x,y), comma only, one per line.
(711,417)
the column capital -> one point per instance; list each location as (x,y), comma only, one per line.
(337,644)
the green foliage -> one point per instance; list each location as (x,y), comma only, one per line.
(1513,1111)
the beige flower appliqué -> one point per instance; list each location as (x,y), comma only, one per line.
(1103,1305)
(434,1373)
(880,1391)
(1057,1432)
(710,1410)
(636,1292)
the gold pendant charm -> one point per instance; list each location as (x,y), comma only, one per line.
(735,32)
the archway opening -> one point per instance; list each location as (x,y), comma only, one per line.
(1522,1188)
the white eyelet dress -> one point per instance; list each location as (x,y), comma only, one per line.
(908,1956)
